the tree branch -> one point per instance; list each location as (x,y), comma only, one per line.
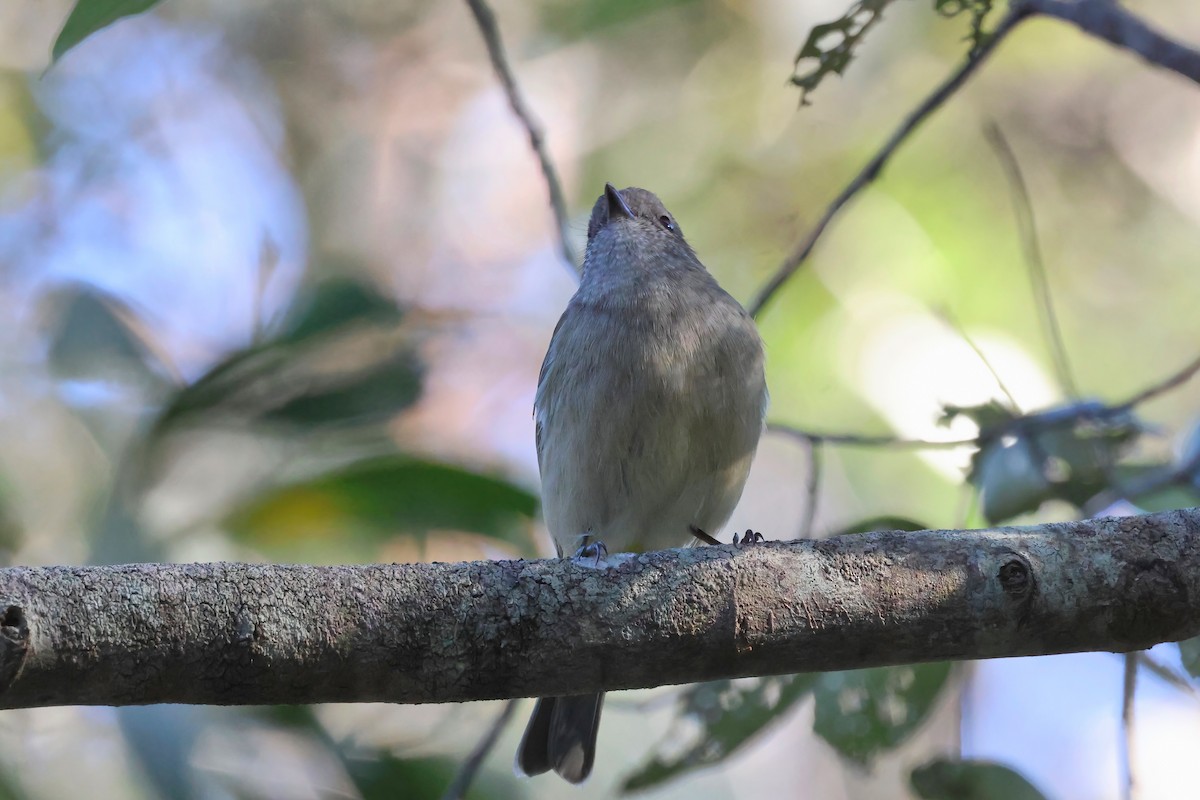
(1107,20)
(486,21)
(1103,19)
(421,633)
(871,171)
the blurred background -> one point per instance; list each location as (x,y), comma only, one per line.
(276,279)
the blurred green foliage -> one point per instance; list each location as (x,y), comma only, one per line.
(384,497)
(729,715)
(89,16)
(971,780)
(866,712)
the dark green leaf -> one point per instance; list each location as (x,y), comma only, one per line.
(729,713)
(1009,479)
(342,358)
(334,303)
(943,779)
(387,496)
(1189,654)
(385,388)
(574,19)
(89,16)
(381,774)
(386,777)
(883,523)
(865,712)
(10,788)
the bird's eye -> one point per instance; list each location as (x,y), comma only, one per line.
(667,222)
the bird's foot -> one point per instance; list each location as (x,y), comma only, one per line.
(701,535)
(751,537)
(591,549)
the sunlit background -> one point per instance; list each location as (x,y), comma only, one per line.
(189,188)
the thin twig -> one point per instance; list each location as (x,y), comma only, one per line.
(1177,379)
(1129,688)
(812,489)
(1027,229)
(859,440)
(871,171)
(486,20)
(949,319)
(1168,675)
(470,767)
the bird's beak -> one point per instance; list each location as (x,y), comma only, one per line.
(616,204)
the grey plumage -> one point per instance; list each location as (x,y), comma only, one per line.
(649,408)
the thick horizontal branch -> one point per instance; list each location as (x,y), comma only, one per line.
(417,633)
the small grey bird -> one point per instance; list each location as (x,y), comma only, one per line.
(649,409)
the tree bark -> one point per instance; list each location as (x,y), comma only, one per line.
(423,633)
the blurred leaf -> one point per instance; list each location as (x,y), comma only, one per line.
(386,496)
(387,777)
(1067,453)
(979,10)
(943,779)
(729,714)
(1009,479)
(574,19)
(385,387)
(1189,654)
(163,737)
(832,44)
(867,711)
(342,358)
(336,302)
(986,416)
(11,533)
(883,523)
(10,788)
(93,337)
(380,774)
(89,16)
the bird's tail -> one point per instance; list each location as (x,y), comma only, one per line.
(561,735)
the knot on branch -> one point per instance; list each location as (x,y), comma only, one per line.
(1016,577)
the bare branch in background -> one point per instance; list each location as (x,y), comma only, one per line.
(812,489)
(1103,19)
(1027,230)
(871,171)
(860,440)
(461,784)
(486,20)
(1107,20)
(1128,692)
(949,319)
(1171,382)
(1168,674)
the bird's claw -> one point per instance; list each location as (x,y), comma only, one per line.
(590,548)
(750,537)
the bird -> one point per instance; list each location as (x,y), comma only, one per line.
(650,403)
